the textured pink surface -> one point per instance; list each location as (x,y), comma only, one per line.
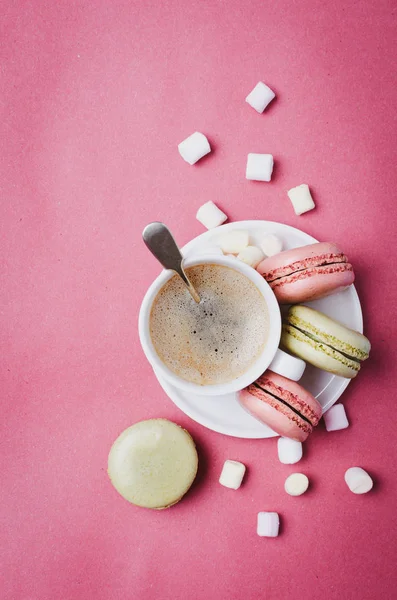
(94,99)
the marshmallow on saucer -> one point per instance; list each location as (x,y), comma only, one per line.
(271,244)
(194,147)
(260,97)
(205,251)
(234,241)
(259,167)
(251,255)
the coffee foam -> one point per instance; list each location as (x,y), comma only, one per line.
(216,340)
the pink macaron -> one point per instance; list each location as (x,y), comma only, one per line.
(307,273)
(282,404)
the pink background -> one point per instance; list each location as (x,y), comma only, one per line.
(94,99)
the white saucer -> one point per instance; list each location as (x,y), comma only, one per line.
(223,413)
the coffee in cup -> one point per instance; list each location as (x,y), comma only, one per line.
(214,341)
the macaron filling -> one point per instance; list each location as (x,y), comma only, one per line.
(323,264)
(287,398)
(302,336)
(283,402)
(333,342)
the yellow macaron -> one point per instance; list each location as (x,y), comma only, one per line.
(324,342)
(153,463)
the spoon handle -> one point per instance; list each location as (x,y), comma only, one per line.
(162,245)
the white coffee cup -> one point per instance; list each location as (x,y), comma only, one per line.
(270,358)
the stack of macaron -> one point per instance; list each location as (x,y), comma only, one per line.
(301,275)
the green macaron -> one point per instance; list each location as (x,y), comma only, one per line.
(323,342)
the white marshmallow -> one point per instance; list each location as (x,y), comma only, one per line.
(268,524)
(232,474)
(358,480)
(301,199)
(289,451)
(194,147)
(296,484)
(207,250)
(233,242)
(260,97)
(251,255)
(210,215)
(259,167)
(271,244)
(335,418)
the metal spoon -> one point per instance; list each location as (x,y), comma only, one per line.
(162,245)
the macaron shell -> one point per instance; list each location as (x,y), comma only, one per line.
(331,332)
(318,354)
(153,463)
(280,422)
(313,283)
(302,253)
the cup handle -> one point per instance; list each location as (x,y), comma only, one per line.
(287,365)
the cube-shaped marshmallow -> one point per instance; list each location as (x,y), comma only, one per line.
(232,474)
(268,524)
(271,244)
(205,251)
(232,242)
(335,418)
(259,167)
(301,199)
(251,255)
(194,147)
(210,215)
(289,451)
(260,97)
